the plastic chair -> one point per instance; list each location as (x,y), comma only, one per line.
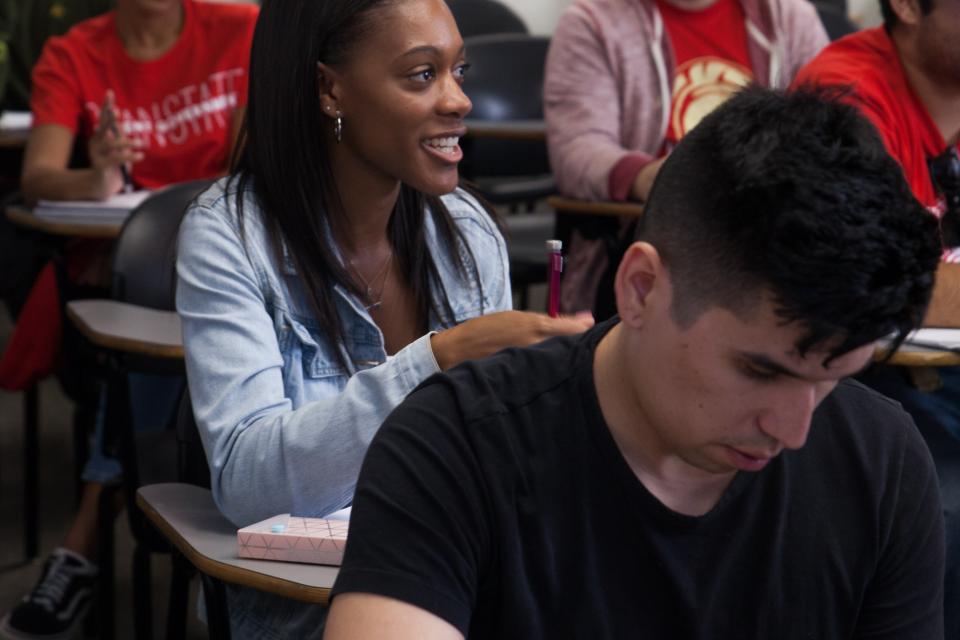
(835,20)
(143,275)
(505,84)
(526,238)
(479,17)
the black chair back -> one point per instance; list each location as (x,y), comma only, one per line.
(505,82)
(478,17)
(145,255)
(834,19)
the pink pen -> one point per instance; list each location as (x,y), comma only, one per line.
(554,269)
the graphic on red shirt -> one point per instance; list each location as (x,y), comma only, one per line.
(700,86)
(196,109)
(711,57)
(179,106)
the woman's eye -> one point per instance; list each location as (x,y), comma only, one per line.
(424,76)
(461,70)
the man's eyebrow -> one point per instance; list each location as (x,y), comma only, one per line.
(764,361)
(427,48)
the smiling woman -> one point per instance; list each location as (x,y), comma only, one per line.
(339,265)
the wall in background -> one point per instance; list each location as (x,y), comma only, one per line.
(540,15)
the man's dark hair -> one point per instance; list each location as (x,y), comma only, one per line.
(890,18)
(793,194)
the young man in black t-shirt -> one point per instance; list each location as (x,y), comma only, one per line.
(697,467)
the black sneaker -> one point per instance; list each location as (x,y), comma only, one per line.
(55,609)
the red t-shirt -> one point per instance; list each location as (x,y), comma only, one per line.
(178,105)
(868,62)
(712,61)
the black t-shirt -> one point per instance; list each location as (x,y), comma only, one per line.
(496,498)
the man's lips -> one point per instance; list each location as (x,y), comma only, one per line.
(749,460)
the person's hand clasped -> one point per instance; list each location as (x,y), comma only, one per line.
(483,336)
(109,150)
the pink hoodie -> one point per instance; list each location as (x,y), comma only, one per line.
(607,98)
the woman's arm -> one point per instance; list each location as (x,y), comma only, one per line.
(582,99)
(265,456)
(46,174)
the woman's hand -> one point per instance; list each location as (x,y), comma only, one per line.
(109,150)
(480,337)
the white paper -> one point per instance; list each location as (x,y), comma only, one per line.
(934,336)
(343,514)
(118,206)
(16,121)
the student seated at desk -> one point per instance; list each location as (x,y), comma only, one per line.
(155,88)
(697,468)
(627,79)
(339,266)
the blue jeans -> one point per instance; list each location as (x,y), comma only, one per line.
(265,616)
(153,405)
(937,415)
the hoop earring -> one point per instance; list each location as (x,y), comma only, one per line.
(338,128)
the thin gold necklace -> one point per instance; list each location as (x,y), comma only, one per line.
(368,286)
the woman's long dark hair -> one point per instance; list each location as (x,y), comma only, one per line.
(281,155)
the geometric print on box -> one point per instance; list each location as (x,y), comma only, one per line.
(313,540)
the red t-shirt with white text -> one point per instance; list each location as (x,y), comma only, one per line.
(712,61)
(179,105)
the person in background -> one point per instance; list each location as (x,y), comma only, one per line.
(699,466)
(905,77)
(156,87)
(339,266)
(25,26)
(627,79)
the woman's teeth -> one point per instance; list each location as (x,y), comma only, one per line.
(444,145)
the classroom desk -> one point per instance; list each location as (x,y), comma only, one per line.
(14,139)
(912,356)
(23,216)
(188,517)
(120,326)
(507,129)
(562,204)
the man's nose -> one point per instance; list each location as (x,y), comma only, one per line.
(788,416)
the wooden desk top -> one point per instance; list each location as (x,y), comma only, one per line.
(188,517)
(14,139)
(911,356)
(563,204)
(507,129)
(23,216)
(127,327)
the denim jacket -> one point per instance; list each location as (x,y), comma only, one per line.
(284,426)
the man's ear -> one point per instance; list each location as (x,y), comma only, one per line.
(329,83)
(639,273)
(908,11)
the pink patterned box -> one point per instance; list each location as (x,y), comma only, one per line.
(291,539)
